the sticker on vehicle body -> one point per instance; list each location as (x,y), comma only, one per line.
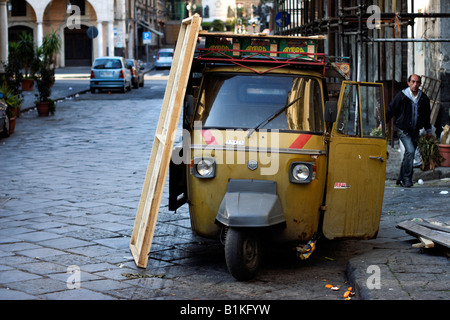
(300,141)
(235,142)
(208,137)
(341,185)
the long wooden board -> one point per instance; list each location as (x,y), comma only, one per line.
(440,236)
(158,165)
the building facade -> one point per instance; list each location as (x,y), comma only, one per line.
(384,40)
(88,28)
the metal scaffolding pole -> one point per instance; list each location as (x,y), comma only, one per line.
(405,40)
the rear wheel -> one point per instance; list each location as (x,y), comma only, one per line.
(242,253)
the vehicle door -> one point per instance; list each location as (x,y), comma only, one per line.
(357,163)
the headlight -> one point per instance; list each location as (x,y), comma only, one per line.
(301,172)
(204,168)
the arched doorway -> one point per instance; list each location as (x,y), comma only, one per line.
(15,32)
(77,47)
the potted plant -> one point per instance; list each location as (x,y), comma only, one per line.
(12,69)
(429,152)
(51,45)
(44,105)
(13,103)
(444,146)
(46,55)
(26,52)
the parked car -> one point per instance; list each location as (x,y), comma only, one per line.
(4,121)
(110,73)
(164,58)
(137,73)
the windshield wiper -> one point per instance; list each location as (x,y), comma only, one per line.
(273,116)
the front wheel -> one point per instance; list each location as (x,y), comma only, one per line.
(242,253)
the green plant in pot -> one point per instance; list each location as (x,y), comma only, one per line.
(51,45)
(13,75)
(26,52)
(429,152)
(46,55)
(12,100)
(13,103)
(45,105)
(444,146)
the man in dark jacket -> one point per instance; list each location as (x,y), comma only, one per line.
(411,109)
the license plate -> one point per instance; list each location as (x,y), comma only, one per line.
(106,73)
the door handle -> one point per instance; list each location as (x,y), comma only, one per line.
(377,158)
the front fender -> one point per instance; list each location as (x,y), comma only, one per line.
(250,203)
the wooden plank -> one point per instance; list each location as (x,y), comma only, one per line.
(424,243)
(158,165)
(436,222)
(258,35)
(435,227)
(434,111)
(420,230)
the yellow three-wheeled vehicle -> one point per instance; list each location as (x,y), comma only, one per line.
(267,155)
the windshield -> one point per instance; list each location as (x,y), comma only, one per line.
(165,54)
(246,100)
(107,64)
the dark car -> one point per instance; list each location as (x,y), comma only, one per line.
(137,73)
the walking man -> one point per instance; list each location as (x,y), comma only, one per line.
(411,109)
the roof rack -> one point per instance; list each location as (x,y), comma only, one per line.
(247,49)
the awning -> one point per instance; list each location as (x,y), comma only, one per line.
(145,25)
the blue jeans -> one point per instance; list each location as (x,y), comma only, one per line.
(410,143)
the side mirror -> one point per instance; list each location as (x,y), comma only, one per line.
(330,111)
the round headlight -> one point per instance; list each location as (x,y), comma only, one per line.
(205,167)
(300,172)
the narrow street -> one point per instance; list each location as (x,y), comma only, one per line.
(70,187)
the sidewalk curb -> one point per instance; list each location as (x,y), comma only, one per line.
(363,270)
(26,109)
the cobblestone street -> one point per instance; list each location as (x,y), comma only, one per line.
(69,191)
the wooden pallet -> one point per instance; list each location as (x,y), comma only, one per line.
(158,165)
(428,233)
(431,88)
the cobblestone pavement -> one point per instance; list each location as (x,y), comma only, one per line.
(69,189)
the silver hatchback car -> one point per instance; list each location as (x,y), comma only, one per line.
(110,73)
(164,58)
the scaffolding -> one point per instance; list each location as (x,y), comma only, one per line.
(340,23)
(376,42)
